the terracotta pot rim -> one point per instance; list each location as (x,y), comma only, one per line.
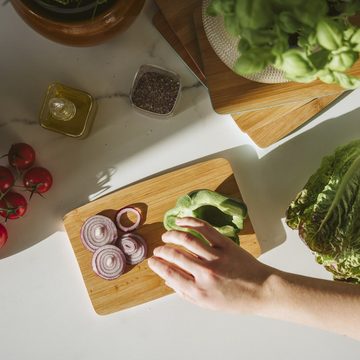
(98,18)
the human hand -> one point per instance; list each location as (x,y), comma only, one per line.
(218,275)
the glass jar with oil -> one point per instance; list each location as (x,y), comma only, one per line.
(68,111)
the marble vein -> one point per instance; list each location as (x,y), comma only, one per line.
(192,86)
(21,121)
(118,94)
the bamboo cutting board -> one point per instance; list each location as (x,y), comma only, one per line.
(179,15)
(154,197)
(166,31)
(265,126)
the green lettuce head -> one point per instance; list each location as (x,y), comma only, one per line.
(327,213)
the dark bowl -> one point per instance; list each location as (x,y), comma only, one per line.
(91,31)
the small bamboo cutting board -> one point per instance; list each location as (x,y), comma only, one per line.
(154,197)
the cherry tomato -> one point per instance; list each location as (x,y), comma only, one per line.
(7,179)
(38,180)
(13,206)
(3,235)
(21,156)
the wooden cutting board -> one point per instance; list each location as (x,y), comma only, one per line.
(265,126)
(154,196)
(165,30)
(179,15)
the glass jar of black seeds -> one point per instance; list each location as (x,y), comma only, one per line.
(155,91)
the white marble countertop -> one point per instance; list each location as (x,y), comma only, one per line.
(45,312)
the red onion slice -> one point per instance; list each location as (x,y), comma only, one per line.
(108,262)
(124,211)
(98,231)
(134,247)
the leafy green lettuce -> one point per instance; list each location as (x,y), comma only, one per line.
(224,213)
(327,213)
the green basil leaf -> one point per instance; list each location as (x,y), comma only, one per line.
(308,41)
(355,38)
(253,61)
(311,11)
(346,81)
(349,33)
(221,7)
(214,8)
(288,23)
(326,76)
(329,34)
(257,38)
(254,14)
(243,45)
(302,79)
(232,25)
(343,61)
(320,58)
(295,63)
(289,5)
(280,46)
(228,7)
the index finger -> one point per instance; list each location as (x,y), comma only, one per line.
(204,229)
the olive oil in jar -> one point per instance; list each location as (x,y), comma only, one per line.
(68,111)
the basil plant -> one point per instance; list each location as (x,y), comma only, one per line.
(306,39)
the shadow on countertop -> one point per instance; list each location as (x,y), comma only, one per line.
(267,184)
(270,183)
(83,168)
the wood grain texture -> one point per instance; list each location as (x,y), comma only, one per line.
(264,126)
(179,16)
(154,197)
(169,35)
(231,93)
(269,125)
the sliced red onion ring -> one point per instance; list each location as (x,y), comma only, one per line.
(124,211)
(109,262)
(134,247)
(98,231)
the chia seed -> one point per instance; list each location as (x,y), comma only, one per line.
(156,92)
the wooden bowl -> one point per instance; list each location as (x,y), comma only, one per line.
(82,33)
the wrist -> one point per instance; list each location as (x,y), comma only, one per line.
(269,291)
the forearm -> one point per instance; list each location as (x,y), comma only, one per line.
(330,305)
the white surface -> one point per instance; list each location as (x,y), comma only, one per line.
(45,312)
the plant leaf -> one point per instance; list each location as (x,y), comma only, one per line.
(326,212)
(254,14)
(343,61)
(253,61)
(295,63)
(329,34)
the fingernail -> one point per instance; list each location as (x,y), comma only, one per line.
(151,262)
(179,221)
